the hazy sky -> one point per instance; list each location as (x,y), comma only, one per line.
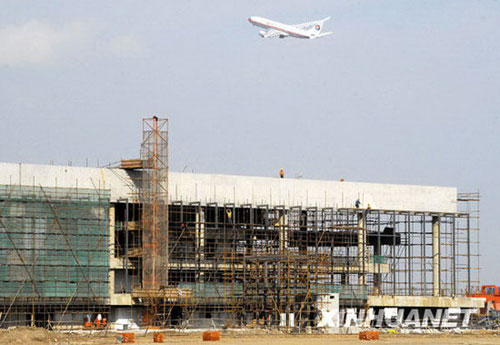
(403,92)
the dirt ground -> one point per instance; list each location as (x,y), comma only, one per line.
(33,336)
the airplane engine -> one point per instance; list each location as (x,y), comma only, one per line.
(262,33)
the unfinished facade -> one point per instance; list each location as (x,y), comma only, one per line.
(195,250)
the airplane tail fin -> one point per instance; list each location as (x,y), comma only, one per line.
(318,27)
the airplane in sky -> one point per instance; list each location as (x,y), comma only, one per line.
(310,30)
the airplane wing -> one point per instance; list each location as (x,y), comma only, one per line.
(309,25)
(325,34)
(272,33)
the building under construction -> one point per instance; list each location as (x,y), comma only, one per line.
(137,242)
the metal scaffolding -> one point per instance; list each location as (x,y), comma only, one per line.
(232,264)
(469,206)
(245,264)
(154,199)
(54,256)
(252,264)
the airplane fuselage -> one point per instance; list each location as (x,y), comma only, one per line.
(281,27)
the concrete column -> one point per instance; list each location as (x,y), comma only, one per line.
(377,277)
(436,257)
(200,235)
(362,247)
(283,231)
(111,272)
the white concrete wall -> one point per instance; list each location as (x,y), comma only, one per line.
(188,187)
(117,180)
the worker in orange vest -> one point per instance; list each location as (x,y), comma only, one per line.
(282,173)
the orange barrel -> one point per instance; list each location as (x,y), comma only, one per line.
(211,335)
(369,335)
(127,337)
(158,337)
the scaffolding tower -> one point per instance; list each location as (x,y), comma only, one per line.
(154,198)
(469,226)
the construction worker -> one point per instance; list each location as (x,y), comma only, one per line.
(87,321)
(282,173)
(357,203)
